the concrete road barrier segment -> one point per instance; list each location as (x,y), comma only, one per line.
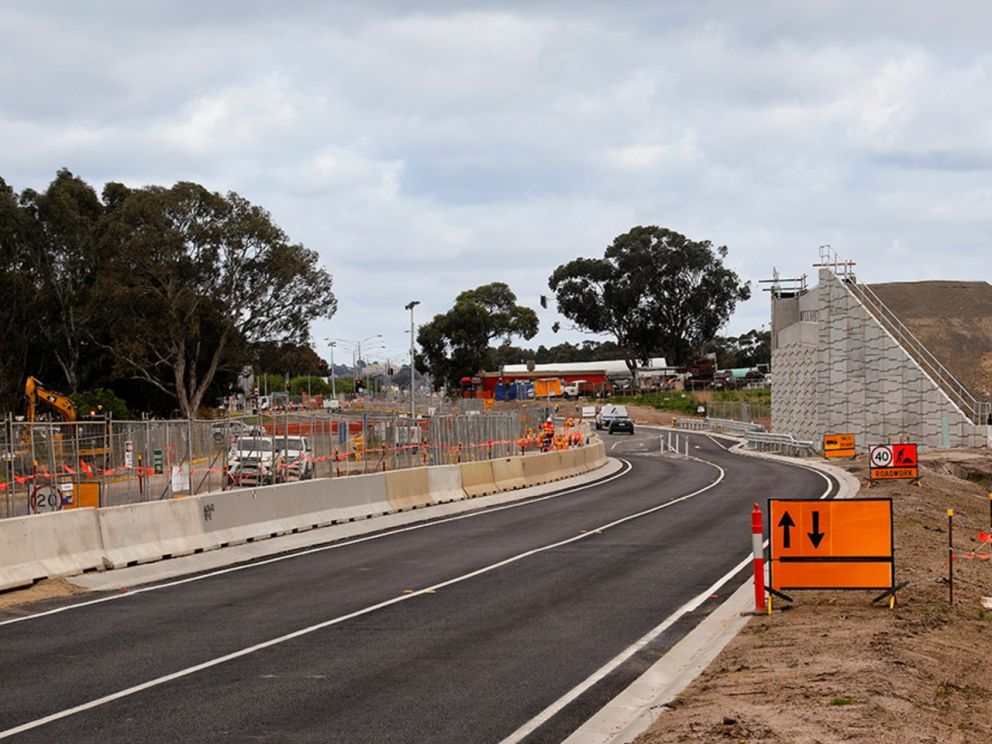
(72,542)
(327,501)
(445,483)
(138,533)
(407,489)
(47,545)
(477,478)
(509,473)
(542,468)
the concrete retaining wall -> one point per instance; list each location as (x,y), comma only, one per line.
(854,377)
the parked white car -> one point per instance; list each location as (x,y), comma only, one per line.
(253,461)
(297,457)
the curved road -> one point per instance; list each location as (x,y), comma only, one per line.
(480,628)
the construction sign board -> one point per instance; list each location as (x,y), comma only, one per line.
(838,445)
(888,461)
(831,544)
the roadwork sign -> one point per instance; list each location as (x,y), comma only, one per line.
(888,461)
(831,544)
(838,445)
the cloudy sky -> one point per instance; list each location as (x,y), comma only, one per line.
(428,148)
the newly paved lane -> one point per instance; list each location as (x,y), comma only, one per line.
(460,630)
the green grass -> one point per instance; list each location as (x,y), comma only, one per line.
(842,701)
(751,395)
(673,400)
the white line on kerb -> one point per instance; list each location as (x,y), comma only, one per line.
(333,546)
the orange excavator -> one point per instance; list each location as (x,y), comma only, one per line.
(37,393)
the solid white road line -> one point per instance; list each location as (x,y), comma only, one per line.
(343,618)
(333,546)
(533,724)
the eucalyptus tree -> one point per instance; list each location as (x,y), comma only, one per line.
(653,290)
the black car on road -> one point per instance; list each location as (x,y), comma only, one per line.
(621,424)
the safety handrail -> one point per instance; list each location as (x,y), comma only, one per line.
(974,408)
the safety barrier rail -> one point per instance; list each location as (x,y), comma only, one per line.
(784,444)
(724,426)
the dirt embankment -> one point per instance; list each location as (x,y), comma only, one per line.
(836,668)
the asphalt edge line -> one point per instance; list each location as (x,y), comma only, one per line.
(636,707)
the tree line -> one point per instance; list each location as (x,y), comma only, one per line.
(162,295)
(654,291)
(159,293)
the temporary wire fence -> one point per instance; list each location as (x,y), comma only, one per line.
(48,466)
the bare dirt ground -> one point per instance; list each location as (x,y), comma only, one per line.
(836,668)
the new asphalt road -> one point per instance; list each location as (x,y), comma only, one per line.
(514,623)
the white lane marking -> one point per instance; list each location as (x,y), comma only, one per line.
(545,715)
(556,707)
(350,616)
(321,549)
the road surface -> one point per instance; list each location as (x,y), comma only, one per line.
(494,626)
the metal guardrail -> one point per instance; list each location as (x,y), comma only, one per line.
(784,444)
(754,436)
(727,426)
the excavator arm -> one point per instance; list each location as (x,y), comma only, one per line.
(36,393)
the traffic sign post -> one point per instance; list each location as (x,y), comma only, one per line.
(831,544)
(893,461)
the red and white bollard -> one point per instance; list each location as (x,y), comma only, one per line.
(757,546)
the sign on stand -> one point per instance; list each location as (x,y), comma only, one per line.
(893,461)
(819,544)
(838,445)
(129,454)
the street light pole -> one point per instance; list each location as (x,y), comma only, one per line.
(334,392)
(413,397)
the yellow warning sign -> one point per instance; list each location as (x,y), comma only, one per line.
(838,445)
(831,544)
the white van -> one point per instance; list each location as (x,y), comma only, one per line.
(609,412)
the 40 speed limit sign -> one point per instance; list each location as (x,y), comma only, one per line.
(893,461)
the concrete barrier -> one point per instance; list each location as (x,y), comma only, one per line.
(80,540)
(477,478)
(542,468)
(596,455)
(243,514)
(47,545)
(509,473)
(139,533)
(445,483)
(407,489)
(318,503)
(567,465)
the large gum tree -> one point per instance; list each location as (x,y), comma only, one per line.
(654,290)
(193,275)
